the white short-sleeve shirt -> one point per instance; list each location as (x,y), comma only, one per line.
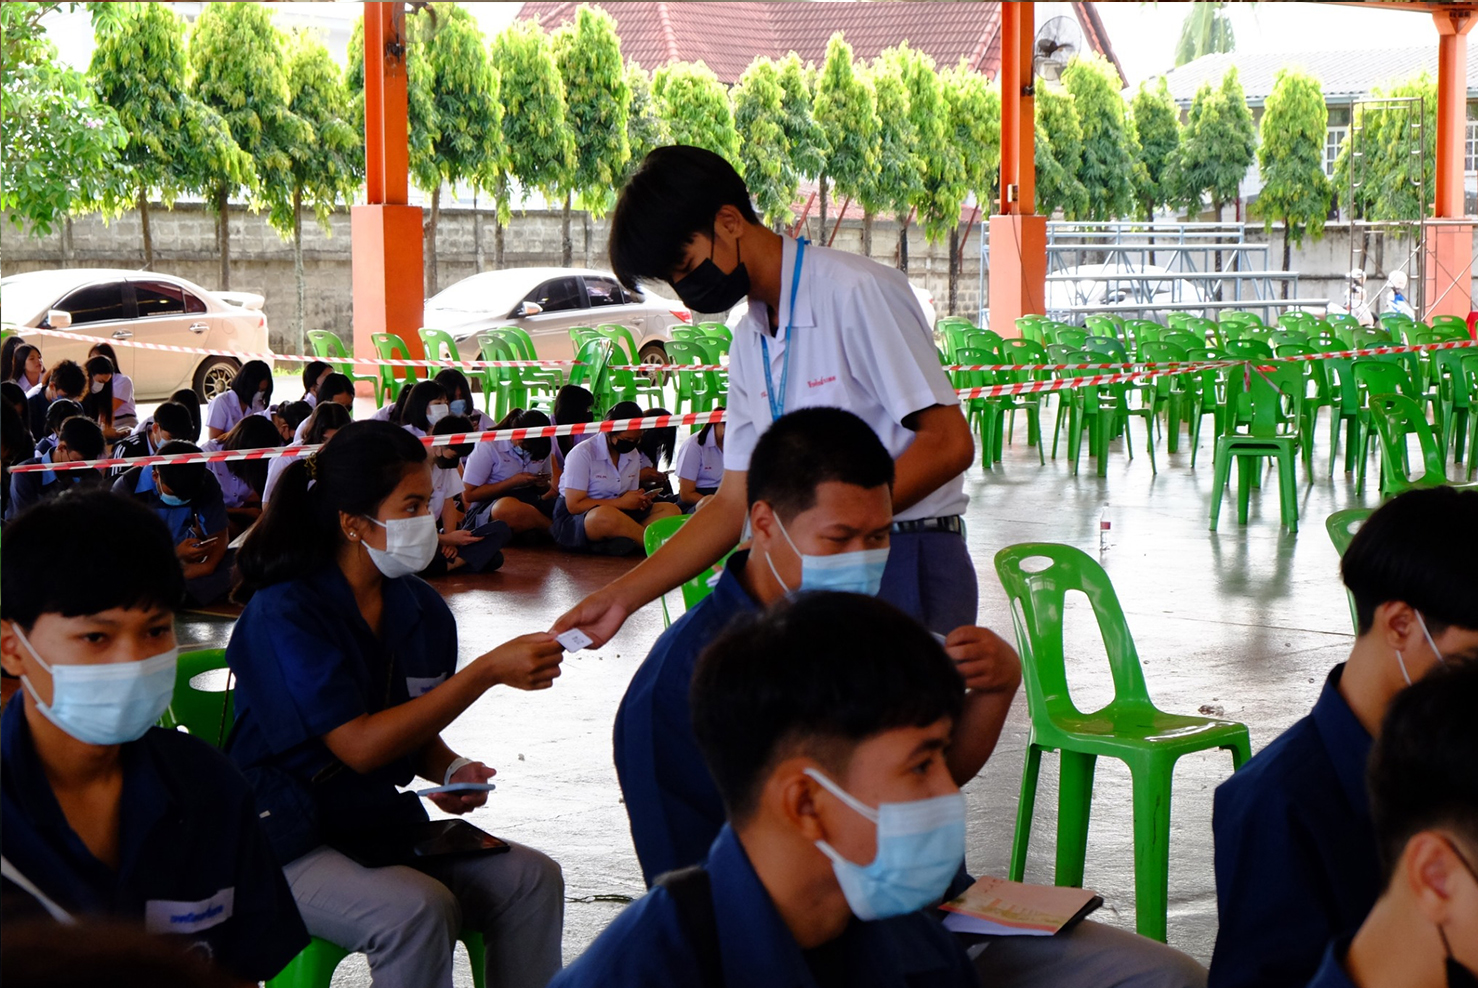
(224,411)
(589,468)
(493,462)
(123,392)
(701,462)
(446,483)
(859,342)
(275,468)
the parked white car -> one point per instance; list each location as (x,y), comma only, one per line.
(143,306)
(547,302)
(924,297)
(1130,290)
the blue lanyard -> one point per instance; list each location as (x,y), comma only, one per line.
(777,400)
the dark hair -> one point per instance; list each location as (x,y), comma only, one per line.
(413,412)
(311,374)
(327,416)
(106,350)
(451,425)
(624,410)
(99,407)
(703,432)
(1420,774)
(44,954)
(672,197)
(18,356)
(82,436)
(61,410)
(572,404)
(298,532)
(455,382)
(252,432)
(174,418)
(68,379)
(807,448)
(188,398)
(7,356)
(185,480)
(249,379)
(294,413)
(16,435)
(1412,550)
(817,675)
(538,447)
(334,385)
(659,444)
(14,395)
(115,534)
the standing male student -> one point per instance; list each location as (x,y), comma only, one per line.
(824,327)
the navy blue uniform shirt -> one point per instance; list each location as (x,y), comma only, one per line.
(193,861)
(204,515)
(675,808)
(1297,863)
(28,489)
(306,663)
(646,944)
(1332,972)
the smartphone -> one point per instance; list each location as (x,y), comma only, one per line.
(203,543)
(441,837)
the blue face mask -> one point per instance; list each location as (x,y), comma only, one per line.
(174,501)
(846,572)
(921,845)
(113,703)
(459,406)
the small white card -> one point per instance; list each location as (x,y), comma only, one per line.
(574,640)
(457,787)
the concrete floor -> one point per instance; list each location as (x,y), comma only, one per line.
(1243,623)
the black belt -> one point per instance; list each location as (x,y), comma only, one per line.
(953,524)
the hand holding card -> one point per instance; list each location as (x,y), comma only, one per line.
(573,640)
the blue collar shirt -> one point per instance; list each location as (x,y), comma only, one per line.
(1331,973)
(203,516)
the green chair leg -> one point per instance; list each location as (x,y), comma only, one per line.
(1245,471)
(1024,808)
(312,968)
(1151,847)
(477,954)
(1074,801)
(1288,488)
(1219,484)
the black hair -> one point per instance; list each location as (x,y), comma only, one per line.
(817,676)
(572,404)
(450,425)
(294,413)
(623,410)
(413,412)
(106,350)
(185,480)
(455,382)
(115,534)
(1413,550)
(7,356)
(61,410)
(334,385)
(539,447)
(191,400)
(328,416)
(658,444)
(83,436)
(68,379)
(299,531)
(174,418)
(19,355)
(252,432)
(14,395)
(16,435)
(672,197)
(703,432)
(311,374)
(99,407)
(807,448)
(247,380)
(1420,775)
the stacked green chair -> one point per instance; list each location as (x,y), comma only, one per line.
(327,346)
(581,335)
(1037,578)
(502,387)
(700,586)
(1376,376)
(1396,417)
(699,390)
(1025,355)
(629,385)
(1264,412)
(392,347)
(540,380)
(1206,395)
(954,329)
(1170,391)
(592,371)
(1342,526)
(1456,391)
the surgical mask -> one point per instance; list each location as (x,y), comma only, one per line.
(707,289)
(459,406)
(259,403)
(410,545)
(845,572)
(435,413)
(97,387)
(113,703)
(1401,660)
(921,846)
(173,500)
(623,446)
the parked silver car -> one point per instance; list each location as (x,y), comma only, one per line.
(546,302)
(144,306)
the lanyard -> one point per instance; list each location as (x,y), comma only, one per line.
(777,400)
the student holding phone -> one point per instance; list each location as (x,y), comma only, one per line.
(188,498)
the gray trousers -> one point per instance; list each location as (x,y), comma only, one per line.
(406,920)
(1090,955)
(931,578)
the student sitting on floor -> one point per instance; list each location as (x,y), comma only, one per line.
(170,421)
(65,380)
(77,439)
(459,545)
(15,443)
(97,403)
(346,674)
(336,389)
(421,408)
(104,814)
(188,498)
(601,507)
(572,405)
(700,466)
(288,417)
(125,410)
(508,480)
(327,419)
(243,482)
(187,399)
(1297,862)
(249,394)
(656,448)
(60,410)
(825,723)
(1423,930)
(460,398)
(315,372)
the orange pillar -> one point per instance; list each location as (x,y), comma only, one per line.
(1449,246)
(1018,237)
(386,233)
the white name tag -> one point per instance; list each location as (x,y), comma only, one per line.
(421,685)
(166,916)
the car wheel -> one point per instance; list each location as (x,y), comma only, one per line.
(654,353)
(215,376)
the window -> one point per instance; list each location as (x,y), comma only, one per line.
(1333,139)
(160,298)
(604,291)
(95,303)
(1470,147)
(557,295)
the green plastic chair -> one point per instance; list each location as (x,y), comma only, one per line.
(700,586)
(581,335)
(1395,417)
(1257,400)
(544,381)
(1248,349)
(716,330)
(1376,376)
(1171,392)
(207,714)
(983,414)
(1342,526)
(1037,577)
(327,346)
(1027,355)
(439,345)
(392,347)
(1469,364)
(592,371)
(1207,396)
(314,967)
(699,390)
(1074,338)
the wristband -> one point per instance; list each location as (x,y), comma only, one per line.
(457,763)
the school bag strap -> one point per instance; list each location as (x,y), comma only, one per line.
(692,893)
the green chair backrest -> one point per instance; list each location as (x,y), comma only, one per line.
(1316,371)
(1022,351)
(985,340)
(1456,374)
(1342,526)
(717,330)
(592,369)
(692,386)
(1058,353)
(1108,346)
(581,335)
(439,345)
(1206,329)
(684,334)
(392,347)
(1248,348)
(328,346)
(700,586)
(519,339)
(1102,325)
(1369,336)
(1187,341)
(625,342)
(1396,417)
(1450,321)
(1281,336)
(1443,333)
(207,714)
(1268,403)
(1074,338)
(1161,353)
(1383,377)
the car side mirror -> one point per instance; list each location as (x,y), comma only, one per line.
(58,319)
(527,309)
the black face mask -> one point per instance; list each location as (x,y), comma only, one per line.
(538,449)
(623,446)
(707,289)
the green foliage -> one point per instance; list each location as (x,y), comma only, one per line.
(764,150)
(1108,140)
(329,167)
(1388,180)
(807,142)
(598,105)
(944,189)
(644,131)
(694,107)
(899,175)
(1157,128)
(845,109)
(1217,145)
(422,130)
(1294,123)
(1206,30)
(59,144)
(541,149)
(465,98)
(1059,155)
(975,112)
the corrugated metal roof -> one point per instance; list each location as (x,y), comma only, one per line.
(1343,74)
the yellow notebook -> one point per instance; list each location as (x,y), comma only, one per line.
(996,906)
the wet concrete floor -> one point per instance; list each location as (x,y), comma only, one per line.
(1244,622)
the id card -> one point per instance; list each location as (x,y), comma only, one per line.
(573,640)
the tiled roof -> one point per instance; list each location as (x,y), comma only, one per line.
(1343,74)
(728,36)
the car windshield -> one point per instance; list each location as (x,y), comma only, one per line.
(492,292)
(24,296)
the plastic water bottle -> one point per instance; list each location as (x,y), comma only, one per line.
(1105,528)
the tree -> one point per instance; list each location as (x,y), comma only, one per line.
(899,173)
(807,142)
(644,131)
(1059,155)
(846,111)
(1396,177)
(694,107)
(329,166)
(1217,145)
(465,96)
(598,106)
(975,117)
(1157,128)
(1206,30)
(764,151)
(236,62)
(59,143)
(943,192)
(1295,121)
(1108,140)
